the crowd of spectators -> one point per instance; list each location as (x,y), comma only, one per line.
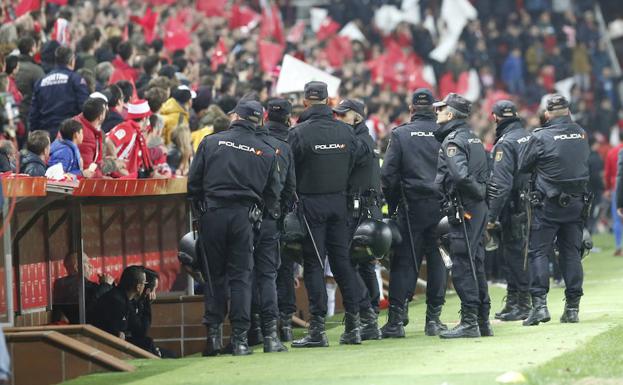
(91,61)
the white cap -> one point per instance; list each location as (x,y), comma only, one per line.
(99,95)
(193,94)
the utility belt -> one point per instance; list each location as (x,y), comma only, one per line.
(256,213)
(359,203)
(563,199)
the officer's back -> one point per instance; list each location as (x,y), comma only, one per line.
(58,95)
(411,158)
(232,165)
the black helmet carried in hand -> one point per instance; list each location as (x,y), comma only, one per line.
(372,240)
(393,226)
(188,255)
(292,237)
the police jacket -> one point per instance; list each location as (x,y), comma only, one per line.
(506,182)
(462,166)
(558,155)
(235,166)
(411,159)
(325,151)
(277,137)
(366,178)
(57,96)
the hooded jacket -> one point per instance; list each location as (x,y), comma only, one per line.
(173,115)
(31,164)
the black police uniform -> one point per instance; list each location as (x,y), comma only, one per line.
(324,153)
(266,253)
(232,172)
(506,203)
(462,172)
(410,164)
(286,298)
(558,157)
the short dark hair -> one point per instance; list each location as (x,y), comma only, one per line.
(150,63)
(69,128)
(63,56)
(114,94)
(93,108)
(221,123)
(125,50)
(180,63)
(10,64)
(38,141)
(131,276)
(87,43)
(25,45)
(126,88)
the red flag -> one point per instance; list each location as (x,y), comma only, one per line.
(176,36)
(26,6)
(212,8)
(219,56)
(296,32)
(148,23)
(327,29)
(270,55)
(243,16)
(272,25)
(338,49)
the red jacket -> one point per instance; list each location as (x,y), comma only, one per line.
(131,146)
(610,168)
(123,71)
(92,143)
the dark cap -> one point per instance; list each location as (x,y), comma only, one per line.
(422,97)
(249,110)
(350,105)
(504,109)
(203,99)
(183,94)
(556,102)
(279,109)
(316,91)
(455,101)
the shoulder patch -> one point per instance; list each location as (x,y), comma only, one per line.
(120,134)
(498,155)
(451,151)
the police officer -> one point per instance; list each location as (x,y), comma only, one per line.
(507,197)
(266,254)
(278,125)
(325,151)
(409,171)
(364,188)
(230,204)
(558,158)
(462,174)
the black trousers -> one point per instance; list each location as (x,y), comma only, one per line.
(266,263)
(512,248)
(424,215)
(286,296)
(327,218)
(366,272)
(565,225)
(227,237)
(472,293)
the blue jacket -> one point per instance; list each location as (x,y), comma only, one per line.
(31,164)
(65,152)
(57,96)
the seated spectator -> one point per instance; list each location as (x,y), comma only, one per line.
(176,110)
(129,143)
(33,159)
(7,156)
(65,290)
(115,106)
(65,150)
(112,311)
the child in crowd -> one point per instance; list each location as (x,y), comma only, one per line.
(65,150)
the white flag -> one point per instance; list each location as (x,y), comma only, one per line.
(454,15)
(296,73)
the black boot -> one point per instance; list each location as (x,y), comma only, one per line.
(316,336)
(352,330)
(214,343)
(394,328)
(572,308)
(271,341)
(286,327)
(509,306)
(433,325)
(239,343)
(483,321)
(467,328)
(405,314)
(521,310)
(255,331)
(369,325)
(539,312)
